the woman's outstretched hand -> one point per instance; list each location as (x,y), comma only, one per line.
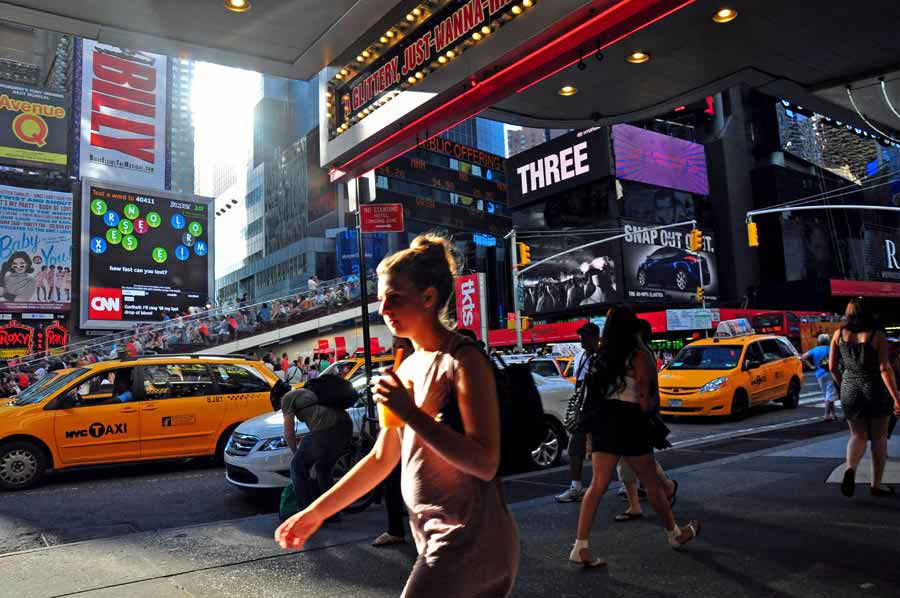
(296,530)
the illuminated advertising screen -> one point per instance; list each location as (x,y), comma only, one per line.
(656,159)
(145,254)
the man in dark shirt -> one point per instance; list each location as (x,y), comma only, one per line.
(330,432)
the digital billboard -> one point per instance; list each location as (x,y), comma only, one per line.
(123,115)
(656,159)
(144,254)
(35,250)
(585,277)
(34,126)
(657,265)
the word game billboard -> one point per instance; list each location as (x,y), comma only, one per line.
(147,254)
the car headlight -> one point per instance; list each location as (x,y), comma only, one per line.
(713,385)
(274,444)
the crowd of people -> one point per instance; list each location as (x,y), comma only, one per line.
(187,332)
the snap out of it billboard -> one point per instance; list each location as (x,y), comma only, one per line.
(123,115)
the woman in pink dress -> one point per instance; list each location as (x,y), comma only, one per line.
(448,447)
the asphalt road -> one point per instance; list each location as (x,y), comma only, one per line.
(96,503)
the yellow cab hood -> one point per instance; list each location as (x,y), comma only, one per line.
(688,378)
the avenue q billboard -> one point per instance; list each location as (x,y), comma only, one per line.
(146,254)
(123,115)
(558,165)
(34,126)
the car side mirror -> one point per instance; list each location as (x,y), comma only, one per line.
(67,401)
(751,364)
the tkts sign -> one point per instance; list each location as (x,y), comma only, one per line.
(471,304)
(428,40)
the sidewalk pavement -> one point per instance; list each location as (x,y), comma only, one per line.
(772,527)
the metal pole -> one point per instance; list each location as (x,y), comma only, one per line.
(364,300)
(783,209)
(515,279)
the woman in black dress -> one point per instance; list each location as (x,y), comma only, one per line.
(620,398)
(868,391)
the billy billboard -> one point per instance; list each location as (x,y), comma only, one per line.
(123,115)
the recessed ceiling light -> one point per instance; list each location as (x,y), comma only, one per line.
(344,72)
(417,11)
(442,59)
(638,57)
(383,39)
(389,34)
(567,90)
(486,30)
(527,3)
(411,80)
(366,53)
(450,54)
(725,15)
(237,5)
(477,36)
(410,17)
(360,58)
(516,9)
(420,75)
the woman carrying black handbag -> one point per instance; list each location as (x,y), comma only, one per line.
(617,412)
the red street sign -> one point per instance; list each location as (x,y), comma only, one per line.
(381,218)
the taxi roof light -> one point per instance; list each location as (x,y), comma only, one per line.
(734,328)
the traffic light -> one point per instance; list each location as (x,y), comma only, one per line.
(699,294)
(752,234)
(696,243)
(524,254)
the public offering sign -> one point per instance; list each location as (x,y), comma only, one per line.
(34,126)
(381,218)
(658,265)
(145,254)
(123,116)
(35,250)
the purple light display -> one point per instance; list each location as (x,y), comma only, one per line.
(656,159)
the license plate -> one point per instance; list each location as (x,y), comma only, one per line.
(675,402)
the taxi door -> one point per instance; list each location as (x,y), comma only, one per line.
(181,412)
(778,369)
(96,427)
(759,377)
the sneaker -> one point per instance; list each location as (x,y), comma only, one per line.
(570,495)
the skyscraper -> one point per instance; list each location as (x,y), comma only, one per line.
(181,127)
(484,134)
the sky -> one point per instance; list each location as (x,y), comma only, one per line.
(222,101)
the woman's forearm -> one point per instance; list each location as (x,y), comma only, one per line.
(464,453)
(887,375)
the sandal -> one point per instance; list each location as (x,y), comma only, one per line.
(387,539)
(882,490)
(672,497)
(848,484)
(688,533)
(628,516)
(575,555)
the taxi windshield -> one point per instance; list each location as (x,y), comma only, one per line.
(46,387)
(340,368)
(714,357)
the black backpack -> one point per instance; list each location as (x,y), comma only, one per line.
(522,425)
(333,391)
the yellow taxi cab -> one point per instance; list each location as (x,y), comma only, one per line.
(348,368)
(567,367)
(131,409)
(728,374)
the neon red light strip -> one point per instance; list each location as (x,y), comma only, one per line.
(465,95)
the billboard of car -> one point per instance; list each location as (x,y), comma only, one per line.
(657,265)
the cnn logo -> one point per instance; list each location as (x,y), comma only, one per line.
(105,304)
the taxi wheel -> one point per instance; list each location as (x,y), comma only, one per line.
(740,406)
(22,465)
(792,400)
